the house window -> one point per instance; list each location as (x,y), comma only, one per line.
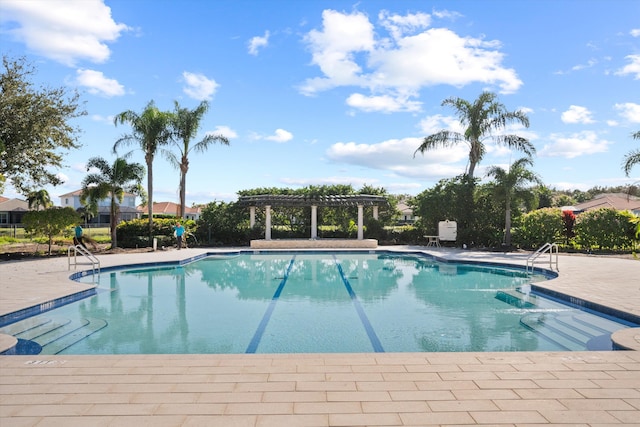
(4,218)
(66,201)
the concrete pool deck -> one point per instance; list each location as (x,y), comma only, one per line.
(410,389)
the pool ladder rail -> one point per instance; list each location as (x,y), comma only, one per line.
(91,259)
(552,249)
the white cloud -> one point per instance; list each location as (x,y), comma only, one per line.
(433,124)
(396,155)
(199,86)
(635,32)
(63,30)
(258,42)
(102,119)
(629,111)
(349,53)
(382,103)
(398,25)
(574,145)
(98,84)
(577,114)
(356,182)
(633,68)
(224,131)
(334,47)
(280,135)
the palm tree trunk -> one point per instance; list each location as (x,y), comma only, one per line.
(149,159)
(183,187)
(507,223)
(113,217)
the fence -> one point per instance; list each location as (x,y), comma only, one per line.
(16,231)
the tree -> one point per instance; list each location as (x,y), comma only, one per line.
(150,130)
(34,126)
(50,222)
(480,119)
(39,199)
(510,185)
(450,199)
(632,158)
(185,124)
(111,181)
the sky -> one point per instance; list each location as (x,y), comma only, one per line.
(313,92)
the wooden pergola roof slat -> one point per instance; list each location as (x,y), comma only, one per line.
(293,200)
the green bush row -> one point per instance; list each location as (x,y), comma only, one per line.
(600,229)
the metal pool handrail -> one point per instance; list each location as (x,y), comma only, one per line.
(91,258)
(552,248)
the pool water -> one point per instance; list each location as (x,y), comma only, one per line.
(313,302)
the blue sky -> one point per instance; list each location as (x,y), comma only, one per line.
(314,92)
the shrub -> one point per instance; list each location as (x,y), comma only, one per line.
(134,233)
(539,227)
(605,229)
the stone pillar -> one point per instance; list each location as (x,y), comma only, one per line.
(314,222)
(267,225)
(360,222)
(252,216)
(375,212)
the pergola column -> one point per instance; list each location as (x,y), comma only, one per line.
(375,212)
(252,216)
(267,229)
(314,222)
(360,222)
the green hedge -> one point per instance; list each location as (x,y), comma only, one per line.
(605,229)
(135,233)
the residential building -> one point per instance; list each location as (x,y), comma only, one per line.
(12,211)
(172,209)
(127,208)
(618,201)
(406,213)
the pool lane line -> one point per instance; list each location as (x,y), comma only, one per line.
(375,342)
(255,341)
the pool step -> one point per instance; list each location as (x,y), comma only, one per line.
(62,342)
(567,330)
(516,298)
(46,326)
(54,334)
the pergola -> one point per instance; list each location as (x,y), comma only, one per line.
(314,201)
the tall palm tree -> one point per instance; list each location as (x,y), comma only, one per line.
(510,185)
(480,119)
(150,130)
(111,181)
(632,158)
(185,124)
(39,199)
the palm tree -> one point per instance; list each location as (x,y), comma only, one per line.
(632,158)
(39,199)
(111,181)
(510,185)
(150,131)
(480,119)
(185,124)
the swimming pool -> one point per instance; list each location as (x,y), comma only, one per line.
(313,302)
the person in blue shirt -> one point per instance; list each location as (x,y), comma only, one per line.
(178,231)
(78,239)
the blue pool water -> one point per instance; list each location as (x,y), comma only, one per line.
(313,302)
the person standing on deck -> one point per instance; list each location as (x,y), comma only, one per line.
(178,231)
(78,239)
